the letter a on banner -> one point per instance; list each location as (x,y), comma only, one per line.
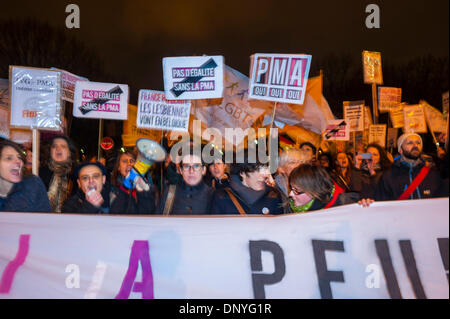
(139,252)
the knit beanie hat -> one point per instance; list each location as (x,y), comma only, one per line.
(403,138)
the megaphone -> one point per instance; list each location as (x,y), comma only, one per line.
(149,153)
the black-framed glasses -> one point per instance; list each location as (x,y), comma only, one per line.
(195,167)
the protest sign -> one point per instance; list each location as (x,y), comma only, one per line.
(437,121)
(392,134)
(230,257)
(35,98)
(4,122)
(367,117)
(4,93)
(193,77)
(279,77)
(155,112)
(397,118)
(389,98)
(68,81)
(445,103)
(131,133)
(414,119)
(377,134)
(233,111)
(372,67)
(337,130)
(354,117)
(97,100)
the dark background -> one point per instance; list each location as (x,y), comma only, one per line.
(124,42)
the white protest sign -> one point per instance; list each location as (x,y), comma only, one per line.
(155,112)
(35,98)
(389,98)
(414,118)
(194,77)
(230,257)
(68,84)
(437,120)
(279,77)
(97,100)
(4,108)
(367,117)
(354,117)
(337,130)
(377,134)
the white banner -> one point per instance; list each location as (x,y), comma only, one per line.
(35,98)
(395,249)
(279,77)
(100,100)
(155,112)
(193,77)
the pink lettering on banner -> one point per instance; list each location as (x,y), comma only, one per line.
(139,252)
(108,107)
(92,94)
(13,265)
(297,72)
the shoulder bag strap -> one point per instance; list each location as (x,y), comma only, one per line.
(235,201)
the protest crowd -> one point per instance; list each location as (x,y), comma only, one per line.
(302,183)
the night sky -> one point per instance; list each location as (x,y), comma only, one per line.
(131,37)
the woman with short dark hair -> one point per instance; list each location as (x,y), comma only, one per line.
(19,192)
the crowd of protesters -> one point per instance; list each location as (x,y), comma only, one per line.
(306,180)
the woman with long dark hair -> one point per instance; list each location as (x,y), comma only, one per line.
(19,191)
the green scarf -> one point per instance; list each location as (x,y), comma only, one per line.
(301,209)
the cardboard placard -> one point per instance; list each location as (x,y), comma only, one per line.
(397,118)
(392,134)
(388,98)
(372,67)
(377,134)
(131,133)
(414,118)
(35,98)
(195,77)
(445,103)
(155,112)
(337,130)
(279,77)
(97,100)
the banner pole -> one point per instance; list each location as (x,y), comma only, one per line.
(100,133)
(374,103)
(35,148)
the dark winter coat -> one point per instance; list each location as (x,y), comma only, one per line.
(29,195)
(189,200)
(268,201)
(397,179)
(116,201)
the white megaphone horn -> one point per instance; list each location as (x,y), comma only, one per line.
(149,153)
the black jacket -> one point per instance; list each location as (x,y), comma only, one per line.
(189,200)
(268,202)
(116,201)
(29,195)
(396,179)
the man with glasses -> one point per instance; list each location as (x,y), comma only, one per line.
(96,196)
(190,196)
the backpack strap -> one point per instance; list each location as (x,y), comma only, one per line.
(170,199)
(415,183)
(235,201)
